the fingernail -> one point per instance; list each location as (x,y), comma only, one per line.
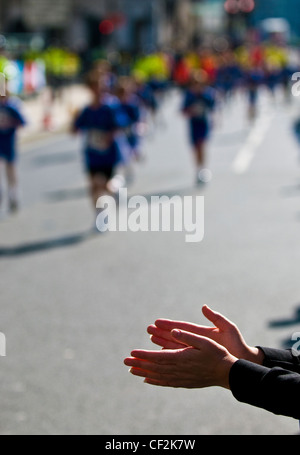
(176,333)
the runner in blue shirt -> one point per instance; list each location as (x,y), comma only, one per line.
(11,120)
(198,105)
(100,122)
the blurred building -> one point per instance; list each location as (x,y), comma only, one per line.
(138,25)
(211,15)
(130,25)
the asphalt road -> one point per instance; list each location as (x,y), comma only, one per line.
(74,305)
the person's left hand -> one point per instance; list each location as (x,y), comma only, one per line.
(203,363)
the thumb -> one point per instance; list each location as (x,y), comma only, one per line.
(190,339)
(216,318)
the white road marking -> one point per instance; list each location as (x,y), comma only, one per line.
(246,155)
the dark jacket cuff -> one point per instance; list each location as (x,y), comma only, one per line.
(285,359)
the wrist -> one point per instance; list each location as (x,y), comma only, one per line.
(225,368)
(255,355)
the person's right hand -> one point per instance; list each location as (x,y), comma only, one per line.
(224,333)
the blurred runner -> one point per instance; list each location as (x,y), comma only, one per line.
(100,122)
(149,104)
(272,77)
(229,75)
(131,112)
(11,119)
(296,130)
(254,77)
(105,67)
(198,105)
(181,72)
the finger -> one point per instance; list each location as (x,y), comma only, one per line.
(160,333)
(139,373)
(163,338)
(216,318)
(163,379)
(147,367)
(165,357)
(167,326)
(136,363)
(192,340)
(163,343)
(171,383)
(152,375)
(155,383)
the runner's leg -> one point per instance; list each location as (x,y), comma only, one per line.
(2,166)
(12,182)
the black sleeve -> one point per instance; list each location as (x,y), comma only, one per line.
(274,389)
(287,359)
